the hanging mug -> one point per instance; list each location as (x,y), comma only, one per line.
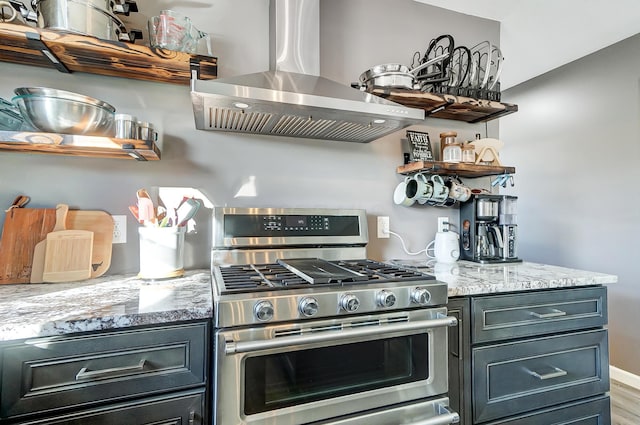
(419,188)
(458,191)
(440,191)
(399,194)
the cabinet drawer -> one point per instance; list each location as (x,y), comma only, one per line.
(537,313)
(48,374)
(178,409)
(595,411)
(521,376)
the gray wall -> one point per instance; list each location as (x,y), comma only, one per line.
(355,35)
(575,141)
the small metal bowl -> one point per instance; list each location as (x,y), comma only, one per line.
(59,111)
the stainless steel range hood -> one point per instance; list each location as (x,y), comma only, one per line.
(291,99)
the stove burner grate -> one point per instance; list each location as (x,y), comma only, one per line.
(264,277)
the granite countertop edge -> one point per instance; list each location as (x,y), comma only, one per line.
(122,301)
(106,303)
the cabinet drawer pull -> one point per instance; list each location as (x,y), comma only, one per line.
(84,373)
(556,373)
(554,313)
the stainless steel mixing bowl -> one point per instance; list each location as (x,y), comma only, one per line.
(59,111)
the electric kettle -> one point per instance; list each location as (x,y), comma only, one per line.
(445,247)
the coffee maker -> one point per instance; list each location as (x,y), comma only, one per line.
(489,233)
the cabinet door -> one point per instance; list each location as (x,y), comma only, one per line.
(185,408)
(500,317)
(51,374)
(459,359)
(530,374)
(594,411)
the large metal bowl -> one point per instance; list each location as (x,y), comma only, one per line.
(59,111)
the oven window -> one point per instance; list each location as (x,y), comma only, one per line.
(286,379)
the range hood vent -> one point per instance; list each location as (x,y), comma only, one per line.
(292,101)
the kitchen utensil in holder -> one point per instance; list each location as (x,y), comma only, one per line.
(161,252)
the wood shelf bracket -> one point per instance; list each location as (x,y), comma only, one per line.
(440,107)
(35,42)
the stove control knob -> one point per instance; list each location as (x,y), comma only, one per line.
(386,298)
(420,296)
(308,306)
(349,303)
(263,310)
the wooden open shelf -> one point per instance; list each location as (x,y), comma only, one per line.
(447,106)
(74,145)
(72,52)
(457,169)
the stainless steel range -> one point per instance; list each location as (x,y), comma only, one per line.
(307,330)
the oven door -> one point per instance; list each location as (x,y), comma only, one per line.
(311,371)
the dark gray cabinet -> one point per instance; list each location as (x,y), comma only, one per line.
(184,408)
(96,377)
(460,358)
(521,353)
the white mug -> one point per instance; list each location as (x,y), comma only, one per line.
(440,191)
(400,196)
(459,192)
(419,188)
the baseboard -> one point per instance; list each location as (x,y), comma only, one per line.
(624,377)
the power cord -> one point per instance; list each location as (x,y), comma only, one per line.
(404,247)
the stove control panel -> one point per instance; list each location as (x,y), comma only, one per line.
(296,223)
(273,225)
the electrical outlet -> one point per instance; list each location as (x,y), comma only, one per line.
(383,227)
(119,228)
(443,224)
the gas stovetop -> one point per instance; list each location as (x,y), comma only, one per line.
(272,265)
(312,288)
(306,273)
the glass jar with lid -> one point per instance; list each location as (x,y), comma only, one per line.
(446,138)
(452,153)
(468,153)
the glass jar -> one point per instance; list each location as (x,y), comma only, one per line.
(468,153)
(446,138)
(452,153)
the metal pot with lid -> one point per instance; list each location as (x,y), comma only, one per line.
(88,17)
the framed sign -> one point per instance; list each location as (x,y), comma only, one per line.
(419,146)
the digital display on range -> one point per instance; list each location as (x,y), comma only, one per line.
(295,221)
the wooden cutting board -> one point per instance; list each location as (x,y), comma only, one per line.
(67,256)
(101,224)
(24,228)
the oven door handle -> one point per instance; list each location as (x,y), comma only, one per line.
(446,416)
(232,347)
(443,416)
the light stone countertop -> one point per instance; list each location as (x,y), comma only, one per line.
(119,301)
(470,278)
(107,302)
